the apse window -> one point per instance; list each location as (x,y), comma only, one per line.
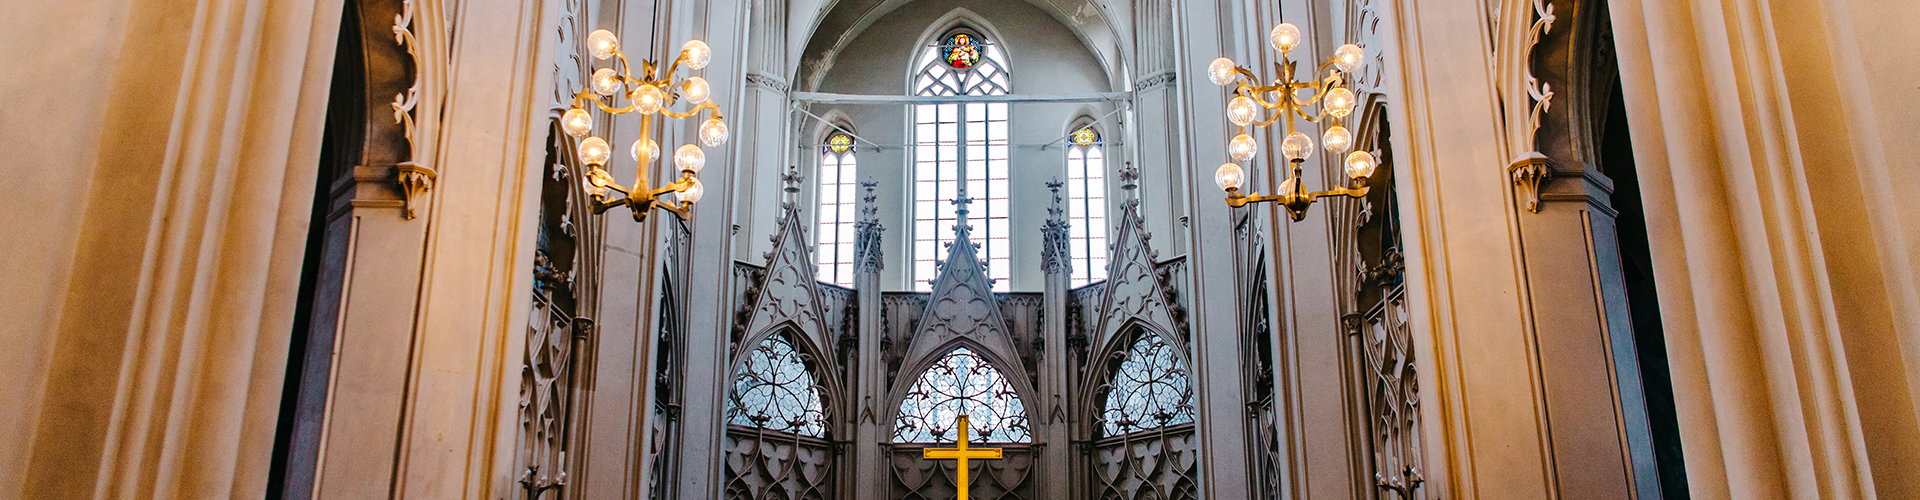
(835,216)
(961,383)
(960,145)
(1087,206)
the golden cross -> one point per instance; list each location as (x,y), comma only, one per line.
(961,454)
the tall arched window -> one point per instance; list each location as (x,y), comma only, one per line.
(960,63)
(961,383)
(1087,206)
(774,390)
(1150,389)
(835,217)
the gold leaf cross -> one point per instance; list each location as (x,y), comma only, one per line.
(962,454)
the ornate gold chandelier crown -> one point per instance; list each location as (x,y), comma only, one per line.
(1334,98)
(648,95)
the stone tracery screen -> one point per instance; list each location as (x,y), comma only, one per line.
(961,383)
(1148,449)
(776,446)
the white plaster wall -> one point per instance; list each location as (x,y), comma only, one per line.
(1044,57)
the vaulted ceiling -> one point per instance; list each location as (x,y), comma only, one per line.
(818,30)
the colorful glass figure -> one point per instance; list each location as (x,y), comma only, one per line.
(840,143)
(962,51)
(1085,137)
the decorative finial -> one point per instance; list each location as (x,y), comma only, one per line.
(1129,179)
(869,211)
(1054,186)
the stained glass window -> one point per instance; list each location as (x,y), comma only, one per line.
(1087,207)
(961,50)
(1150,390)
(961,383)
(955,143)
(775,391)
(838,203)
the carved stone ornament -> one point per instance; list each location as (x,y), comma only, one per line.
(962,303)
(415,179)
(788,292)
(1531,172)
(1135,291)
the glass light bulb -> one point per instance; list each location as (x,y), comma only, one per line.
(606,82)
(576,122)
(595,151)
(648,99)
(1289,186)
(697,53)
(1297,146)
(1348,57)
(695,90)
(1360,164)
(1337,139)
(1243,147)
(645,151)
(1338,102)
(1241,109)
(1284,37)
(713,132)
(689,158)
(1229,176)
(693,192)
(602,44)
(598,177)
(1221,71)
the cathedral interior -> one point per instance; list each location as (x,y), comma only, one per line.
(932,249)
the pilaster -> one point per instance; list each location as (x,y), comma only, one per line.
(1054,427)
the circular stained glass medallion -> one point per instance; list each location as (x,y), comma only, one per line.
(1085,137)
(961,50)
(840,143)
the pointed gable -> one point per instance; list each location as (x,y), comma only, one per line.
(788,292)
(1134,289)
(962,303)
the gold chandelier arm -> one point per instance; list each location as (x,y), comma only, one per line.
(685,181)
(1355,192)
(689,113)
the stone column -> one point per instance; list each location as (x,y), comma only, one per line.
(869,448)
(1053,429)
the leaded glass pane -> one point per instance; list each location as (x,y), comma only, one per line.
(775,391)
(961,383)
(1150,390)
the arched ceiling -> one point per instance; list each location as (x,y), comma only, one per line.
(819,29)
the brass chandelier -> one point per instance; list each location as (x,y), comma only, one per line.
(649,95)
(1333,98)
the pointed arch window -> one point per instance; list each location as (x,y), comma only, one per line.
(835,217)
(1087,206)
(961,383)
(774,390)
(1150,389)
(960,143)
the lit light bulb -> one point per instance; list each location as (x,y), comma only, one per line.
(697,53)
(1337,139)
(1360,164)
(713,132)
(695,90)
(689,158)
(1339,102)
(576,122)
(1297,147)
(606,82)
(692,194)
(1284,37)
(645,151)
(1348,57)
(602,44)
(1243,147)
(1240,110)
(595,151)
(647,99)
(1221,71)
(1229,177)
